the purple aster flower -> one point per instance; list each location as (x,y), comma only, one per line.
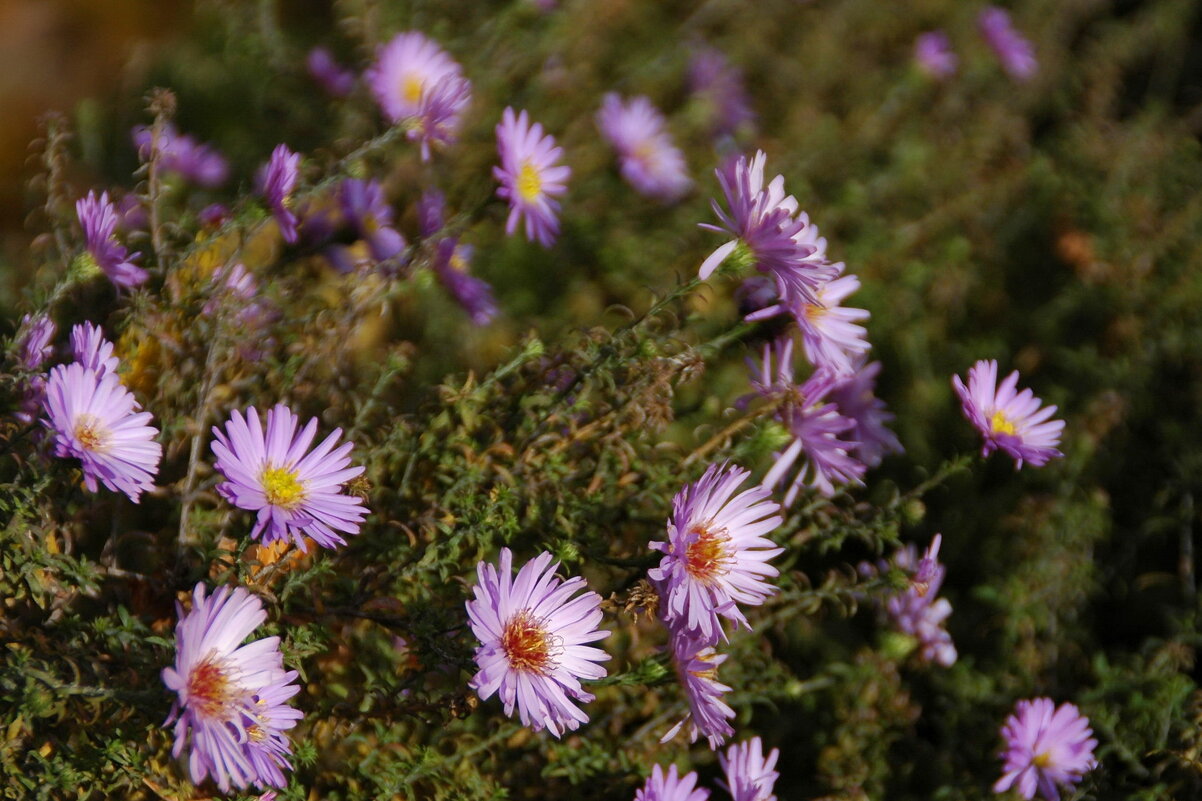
(439,113)
(277,180)
(294,490)
(99,221)
(934,56)
(696,664)
(854,396)
(531,176)
(831,334)
(916,611)
(1047,747)
(92,350)
(1008,419)
(749,776)
(720,87)
(451,263)
(335,79)
(533,637)
(33,340)
(1011,47)
(670,786)
(649,161)
(231,697)
(716,554)
(366,208)
(96,420)
(407,72)
(763,221)
(181,154)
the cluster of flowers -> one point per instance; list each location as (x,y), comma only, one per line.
(750,776)
(934,54)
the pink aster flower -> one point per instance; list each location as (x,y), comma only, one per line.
(294,490)
(439,113)
(716,556)
(99,221)
(917,611)
(934,55)
(96,420)
(671,786)
(531,176)
(277,180)
(533,636)
(855,397)
(649,161)
(1008,419)
(231,708)
(92,350)
(1047,747)
(749,775)
(335,79)
(408,71)
(180,153)
(696,664)
(831,335)
(1011,48)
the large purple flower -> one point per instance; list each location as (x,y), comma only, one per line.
(533,637)
(531,176)
(96,420)
(696,664)
(99,221)
(1011,48)
(277,180)
(407,70)
(365,207)
(1008,419)
(295,491)
(231,702)
(649,161)
(1047,747)
(671,786)
(749,775)
(716,556)
(181,154)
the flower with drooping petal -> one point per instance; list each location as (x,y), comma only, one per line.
(230,710)
(1047,748)
(296,492)
(96,420)
(671,786)
(719,85)
(934,55)
(1008,419)
(531,176)
(716,556)
(332,76)
(696,664)
(917,611)
(99,221)
(855,398)
(533,636)
(277,180)
(365,207)
(181,154)
(649,161)
(92,350)
(1011,48)
(749,775)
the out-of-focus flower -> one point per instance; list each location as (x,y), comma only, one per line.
(96,420)
(749,775)
(131,214)
(236,292)
(716,556)
(451,262)
(917,611)
(277,180)
(1008,419)
(854,396)
(213,215)
(696,664)
(92,350)
(416,83)
(296,492)
(934,55)
(231,702)
(33,340)
(720,86)
(365,207)
(649,161)
(99,222)
(183,155)
(438,115)
(1011,48)
(335,79)
(533,636)
(670,786)
(1047,748)
(531,176)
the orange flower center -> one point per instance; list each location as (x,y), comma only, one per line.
(708,556)
(1000,424)
(530,183)
(91,433)
(526,644)
(282,487)
(211,692)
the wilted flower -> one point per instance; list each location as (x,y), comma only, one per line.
(854,396)
(231,697)
(1007,419)
(1011,48)
(96,420)
(333,77)
(933,54)
(92,350)
(530,176)
(1047,747)
(365,207)
(277,180)
(696,664)
(720,87)
(649,161)
(408,71)
(33,340)
(533,637)
(749,776)
(181,154)
(294,490)
(99,222)
(716,554)
(670,786)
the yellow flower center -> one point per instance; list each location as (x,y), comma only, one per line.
(1000,424)
(1042,760)
(282,487)
(411,88)
(211,692)
(526,644)
(530,183)
(91,433)
(707,557)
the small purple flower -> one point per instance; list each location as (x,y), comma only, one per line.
(96,420)
(716,555)
(1011,48)
(720,86)
(366,208)
(439,114)
(670,786)
(854,396)
(533,637)
(277,180)
(409,71)
(92,350)
(696,664)
(231,697)
(649,161)
(916,611)
(99,221)
(451,263)
(295,491)
(531,176)
(1008,419)
(1047,747)
(33,340)
(181,154)
(335,79)
(934,55)
(749,776)
(831,335)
